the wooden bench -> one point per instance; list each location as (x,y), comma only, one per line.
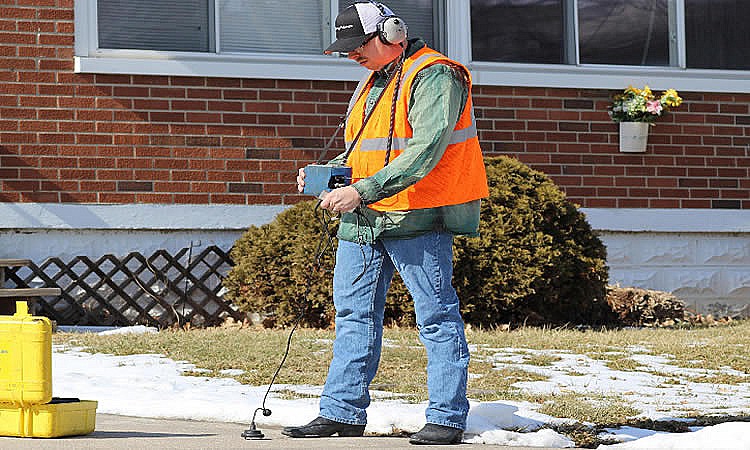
(8,307)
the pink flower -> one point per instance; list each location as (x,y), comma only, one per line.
(654,107)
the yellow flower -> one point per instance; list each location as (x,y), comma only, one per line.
(671,98)
(632,90)
(646,92)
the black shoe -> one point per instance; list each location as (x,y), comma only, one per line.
(433,434)
(322,427)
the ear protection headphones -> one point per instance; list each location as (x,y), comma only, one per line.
(392,29)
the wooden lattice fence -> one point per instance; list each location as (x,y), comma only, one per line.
(160,290)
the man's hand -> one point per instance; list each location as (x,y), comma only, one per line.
(340,200)
(301,179)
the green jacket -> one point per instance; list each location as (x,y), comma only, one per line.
(433,122)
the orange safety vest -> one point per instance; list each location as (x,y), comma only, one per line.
(459,176)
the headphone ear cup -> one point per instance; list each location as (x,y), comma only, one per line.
(392,30)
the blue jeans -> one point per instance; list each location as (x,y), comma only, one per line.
(425,264)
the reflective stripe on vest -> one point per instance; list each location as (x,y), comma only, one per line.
(399,144)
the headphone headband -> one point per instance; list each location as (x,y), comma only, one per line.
(384,10)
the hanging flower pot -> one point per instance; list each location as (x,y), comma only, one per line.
(633,137)
(635,110)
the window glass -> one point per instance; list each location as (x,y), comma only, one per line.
(716,34)
(168,25)
(270,26)
(629,32)
(418,15)
(526,31)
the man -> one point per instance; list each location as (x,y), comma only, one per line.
(418,177)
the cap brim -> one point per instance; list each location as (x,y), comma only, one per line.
(345,45)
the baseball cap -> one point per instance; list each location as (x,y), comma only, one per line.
(355,24)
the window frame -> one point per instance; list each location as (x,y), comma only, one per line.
(454,15)
(91,59)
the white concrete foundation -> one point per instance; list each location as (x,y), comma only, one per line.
(702,256)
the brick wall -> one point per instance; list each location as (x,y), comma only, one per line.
(67,137)
(697,155)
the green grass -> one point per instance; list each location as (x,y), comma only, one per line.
(402,370)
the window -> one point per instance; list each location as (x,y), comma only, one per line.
(265,26)
(518,31)
(716,35)
(244,26)
(178,25)
(612,32)
(625,32)
(693,45)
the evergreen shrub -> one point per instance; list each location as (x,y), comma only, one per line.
(537,261)
(274,266)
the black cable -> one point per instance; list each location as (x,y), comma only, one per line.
(398,71)
(187,269)
(324,243)
(360,215)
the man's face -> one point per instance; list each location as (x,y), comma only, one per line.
(374,54)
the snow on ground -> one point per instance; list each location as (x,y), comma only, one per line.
(657,388)
(154,386)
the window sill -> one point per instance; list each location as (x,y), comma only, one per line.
(609,77)
(292,68)
(489,74)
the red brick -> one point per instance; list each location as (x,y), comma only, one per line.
(130,139)
(154,198)
(40,197)
(187,81)
(191,198)
(116,174)
(151,104)
(59,185)
(192,152)
(188,129)
(204,93)
(663,203)
(10,196)
(188,175)
(189,105)
(171,186)
(225,106)
(96,163)
(168,92)
(238,199)
(632,203)
(17,185)
(224,82)
(208,187)
(106,197)
(40,150)
(150,80)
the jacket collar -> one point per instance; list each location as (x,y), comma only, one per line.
(412,47)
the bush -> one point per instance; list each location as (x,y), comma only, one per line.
(645,307)
(274,268)
(537,261)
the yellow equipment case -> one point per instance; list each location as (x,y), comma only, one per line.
(27,408)
(60,417)
(25,358)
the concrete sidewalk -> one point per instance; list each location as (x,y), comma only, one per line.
(120,432)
